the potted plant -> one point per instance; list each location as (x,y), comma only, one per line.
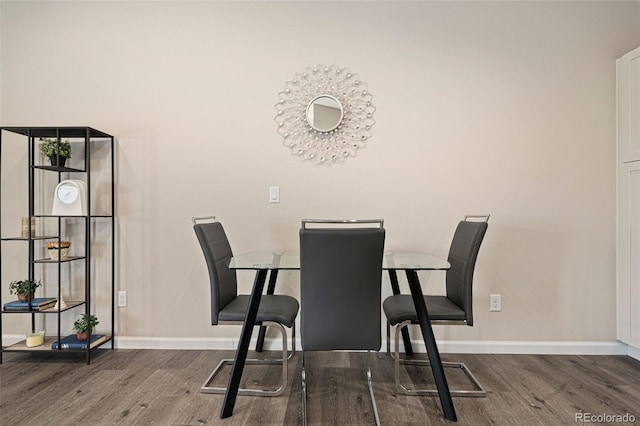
(58,249)
(24,289)
(85,325)
(53,148)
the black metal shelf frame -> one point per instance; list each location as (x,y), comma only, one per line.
(88,134)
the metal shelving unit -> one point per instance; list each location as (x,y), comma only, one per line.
(87,139)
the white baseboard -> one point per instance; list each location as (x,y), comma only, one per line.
(199,343)
(634,352)
(461,347)
(475,347)
(530,347)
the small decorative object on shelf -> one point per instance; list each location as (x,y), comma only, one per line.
(53,149)
(25,227)
(84,325)
(58,249)
(24,289)
(61,304)
(70,198)
(35,339)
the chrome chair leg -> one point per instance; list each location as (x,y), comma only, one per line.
(371,395)
(477,392)
(369,386)
(304,394)
(286,356)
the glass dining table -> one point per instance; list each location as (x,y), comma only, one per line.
(410,262)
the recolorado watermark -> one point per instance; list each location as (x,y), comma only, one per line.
(583,417)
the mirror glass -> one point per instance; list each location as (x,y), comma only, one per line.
(324,113)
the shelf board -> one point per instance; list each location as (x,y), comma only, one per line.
(70,305)
(21,346)
(68,259)
(37,237)
(60,169)
(90,216)
(63,132)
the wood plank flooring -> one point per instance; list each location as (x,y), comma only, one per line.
(140,387)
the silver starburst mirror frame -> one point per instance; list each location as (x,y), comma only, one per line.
(325,114)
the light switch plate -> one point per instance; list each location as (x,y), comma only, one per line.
(274,194)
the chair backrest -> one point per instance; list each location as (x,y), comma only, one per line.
(217,253)
(340,286)
(462,257)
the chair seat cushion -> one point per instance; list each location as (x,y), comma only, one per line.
(399,308)
(277,308)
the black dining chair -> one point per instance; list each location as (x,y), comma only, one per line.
(456,308)
(228,307)
(340,290)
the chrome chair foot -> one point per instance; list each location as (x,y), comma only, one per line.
(478,389)
(286,356)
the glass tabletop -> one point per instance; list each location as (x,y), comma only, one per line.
(291,260)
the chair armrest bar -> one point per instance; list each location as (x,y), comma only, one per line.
(305,222)
(196,219)
(477,216)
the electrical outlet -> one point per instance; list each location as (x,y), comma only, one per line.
(495,303)
(122,299)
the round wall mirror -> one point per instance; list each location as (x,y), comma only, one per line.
(324,113)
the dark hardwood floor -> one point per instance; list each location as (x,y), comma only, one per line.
(139,387)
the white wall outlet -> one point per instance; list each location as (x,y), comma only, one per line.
(495,303)
(122,299)
(274,194)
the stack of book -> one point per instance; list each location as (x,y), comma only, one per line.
(37,304)
(72,342)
